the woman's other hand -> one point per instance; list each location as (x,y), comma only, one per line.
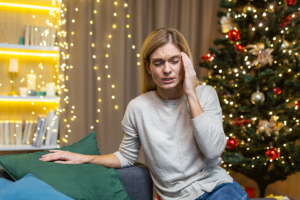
(63,157)
(189,84)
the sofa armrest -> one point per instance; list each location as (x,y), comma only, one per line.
(137,181)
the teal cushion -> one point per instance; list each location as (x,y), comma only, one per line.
(29,187)
(78,181)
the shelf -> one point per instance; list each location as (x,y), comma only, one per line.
(29,98)
(32,4)
(25,147)
(28,47)
(29,50)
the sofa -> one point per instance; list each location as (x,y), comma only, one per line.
(137,181)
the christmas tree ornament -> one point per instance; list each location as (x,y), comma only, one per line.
(269,126)
(277,90)
(298,104)
(257,97)
(248,9)
(207,57)
(241,122)
(285,44)
(234,35)
(272,153)
(226,23)
(291,2)
(263,55)
(232,143)
(239,47)
(271,7)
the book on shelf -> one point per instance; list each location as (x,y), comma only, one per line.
(40,35)
(1,132)
(18,130)
(12,132)
(27,36)
(6,132)
(43,131)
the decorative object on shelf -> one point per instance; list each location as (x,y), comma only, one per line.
(231,143)
(31,78)
(23,91)
(50,89)
(21,40)
(257,97)
(234,35)
(32,93)
(42,92)
(13,70)
(272,153)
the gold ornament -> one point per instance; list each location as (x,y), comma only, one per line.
(284,44)
(269,126)
(226,23)
(263,55)
(248,8)
(257,97)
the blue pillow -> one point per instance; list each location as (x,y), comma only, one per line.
(29,187)
(4,182)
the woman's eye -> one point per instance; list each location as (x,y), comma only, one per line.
(175,62)
(158,64)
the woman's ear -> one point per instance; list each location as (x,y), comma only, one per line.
(147,66)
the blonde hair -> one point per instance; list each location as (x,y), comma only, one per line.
(156,39)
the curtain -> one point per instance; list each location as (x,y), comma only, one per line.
(100,43)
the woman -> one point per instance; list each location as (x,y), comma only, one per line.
(178,122)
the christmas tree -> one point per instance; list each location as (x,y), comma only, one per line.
(255,70)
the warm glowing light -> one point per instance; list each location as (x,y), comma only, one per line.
(17,5)
(28,53)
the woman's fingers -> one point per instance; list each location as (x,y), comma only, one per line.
(63,162)
(52,150)
(53,156)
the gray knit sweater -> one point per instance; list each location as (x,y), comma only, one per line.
(183,154)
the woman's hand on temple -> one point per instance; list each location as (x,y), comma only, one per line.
(63,157)
(189,84)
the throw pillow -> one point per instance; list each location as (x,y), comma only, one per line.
(29,187)
(78,181)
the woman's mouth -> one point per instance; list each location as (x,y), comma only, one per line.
(168,80)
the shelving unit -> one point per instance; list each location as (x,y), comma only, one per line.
(43,61)
(26,147)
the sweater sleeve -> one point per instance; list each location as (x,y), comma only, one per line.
(130,145)
(208,127)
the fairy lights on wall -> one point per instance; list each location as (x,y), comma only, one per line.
(108,47)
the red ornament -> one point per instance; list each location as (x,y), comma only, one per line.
(291,2)
(277,90)
(240,47)
(234,35)
(241,122)
(298,103)
(207,57)
(272,153)
(231,143)
(286,20)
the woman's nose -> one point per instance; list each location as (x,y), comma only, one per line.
(167,68)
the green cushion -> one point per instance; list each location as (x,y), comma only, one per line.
(78,181)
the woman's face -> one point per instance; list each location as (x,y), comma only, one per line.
(166,67)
